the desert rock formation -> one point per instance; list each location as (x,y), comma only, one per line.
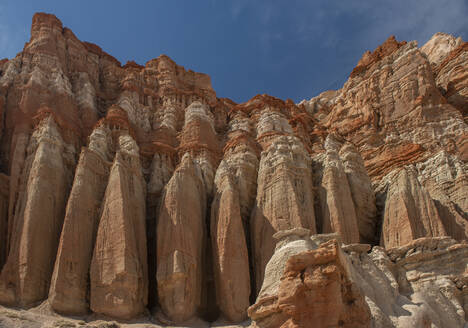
(132,192)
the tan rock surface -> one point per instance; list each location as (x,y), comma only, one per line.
(26,275)
(177,194)
(284,197)
(180,242)
(439,47)
(230,254)
(337,209)
(410,213)
(362,193)
(69,286)
(4,196)
(422,284)
(448,56)
(314,288)
(393,111)
(119,272)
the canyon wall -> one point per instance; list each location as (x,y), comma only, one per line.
(130,191)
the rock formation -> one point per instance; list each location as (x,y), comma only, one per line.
(119,273)
(314,287)
(132,191)
(405,286)
(410,213)
(230,253)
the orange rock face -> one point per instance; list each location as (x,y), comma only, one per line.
(314,289)
(410,213)
(128,189)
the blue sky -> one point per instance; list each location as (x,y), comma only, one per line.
(287,48)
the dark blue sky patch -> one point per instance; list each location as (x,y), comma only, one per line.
(289,49)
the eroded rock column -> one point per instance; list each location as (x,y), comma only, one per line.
(410,213)
(69,290)
(284,197)
(119,273)
(230,254)
(337,208)
(314,288)
(180,238)
(38,219)
(181,227)
(4,195)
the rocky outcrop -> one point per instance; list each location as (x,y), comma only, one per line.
(25,277)
(103,236)
(69,287)
(284,197)
(230,254)
(130,189)
(400,287)
(4,195)
(180,238)
(392,110)
(422,284)
(336,204)
(119,273)
(410,213)
(345,200)
(314,287)
(362,193)
(448,56)
(439,46)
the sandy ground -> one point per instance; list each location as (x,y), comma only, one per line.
(43,317)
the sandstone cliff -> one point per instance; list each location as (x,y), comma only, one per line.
(133,193)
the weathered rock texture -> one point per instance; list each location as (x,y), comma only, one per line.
(314,289)
(133,189)
(410,213)
(422,284)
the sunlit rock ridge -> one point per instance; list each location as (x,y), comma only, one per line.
(133,196)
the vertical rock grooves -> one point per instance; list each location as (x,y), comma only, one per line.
(26,275)
(119,273)
(4,195)
(230,254)
(337,207)
(128,188)
(284,197)
(180,238)
(410,213)
(69,288)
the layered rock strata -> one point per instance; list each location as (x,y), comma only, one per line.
(308,286)
(421,284)
(26,275)
(230,253)
(119,273)
(69,287)
(410,213)
(128,189)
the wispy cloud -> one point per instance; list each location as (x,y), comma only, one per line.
(237,7)
(374,20)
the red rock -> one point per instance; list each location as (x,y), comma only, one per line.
(69,288)
(119,273)
(26,275)
(4,196)
(369,58)
(180,240)
(177,194)
(410,213)
(230,254)
(315,289)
